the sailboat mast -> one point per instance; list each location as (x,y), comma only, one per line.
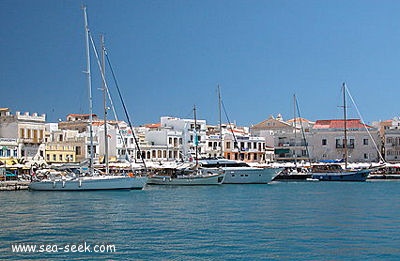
(195,134)
(104,88)
(220,123)
(345,126)
(89,83)
(295,131)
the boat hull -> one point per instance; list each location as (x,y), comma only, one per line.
(90,183)
(192,180)
(249,175)
(360,175)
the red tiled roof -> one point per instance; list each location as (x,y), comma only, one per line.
(238,130)
(339,124)
(98,123)
(153,125)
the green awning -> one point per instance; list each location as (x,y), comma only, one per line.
(281,151)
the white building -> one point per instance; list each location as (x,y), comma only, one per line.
(27,129)
(327,141)
(190,133)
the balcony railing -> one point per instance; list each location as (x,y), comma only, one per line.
(341,146)
(32,140)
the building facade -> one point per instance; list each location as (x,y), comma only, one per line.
(28,132)
(328,141)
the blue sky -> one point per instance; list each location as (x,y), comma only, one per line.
(169,55)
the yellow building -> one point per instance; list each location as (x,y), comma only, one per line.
(64,146)
(60,153)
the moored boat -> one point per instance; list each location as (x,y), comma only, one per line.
(293,174)
(335,172)
(238,172)
(101,182)
(91,180)
(186,176)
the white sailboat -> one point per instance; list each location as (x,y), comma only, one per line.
(93,181)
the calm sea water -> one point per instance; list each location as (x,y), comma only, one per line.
(292,221)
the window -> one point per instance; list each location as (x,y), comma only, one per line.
(324,142)
(352,143)
(365,141)
(228,145)
(78,150)
(365,156)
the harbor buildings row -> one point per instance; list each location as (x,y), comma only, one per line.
(28,138)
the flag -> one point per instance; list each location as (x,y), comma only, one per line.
(195,139)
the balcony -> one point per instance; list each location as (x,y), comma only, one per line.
(32,141)
(341,146)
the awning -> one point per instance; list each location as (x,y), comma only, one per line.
(282,151)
